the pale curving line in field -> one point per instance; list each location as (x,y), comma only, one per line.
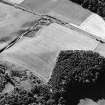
(15,1)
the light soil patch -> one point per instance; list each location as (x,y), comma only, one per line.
(8,88)
(91,102)
(94,24)
(15,1)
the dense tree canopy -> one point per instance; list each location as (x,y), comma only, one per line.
(78,75)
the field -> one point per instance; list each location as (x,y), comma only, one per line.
(11,21)
(39,53)
(35,53)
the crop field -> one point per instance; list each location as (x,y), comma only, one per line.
(49,41)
